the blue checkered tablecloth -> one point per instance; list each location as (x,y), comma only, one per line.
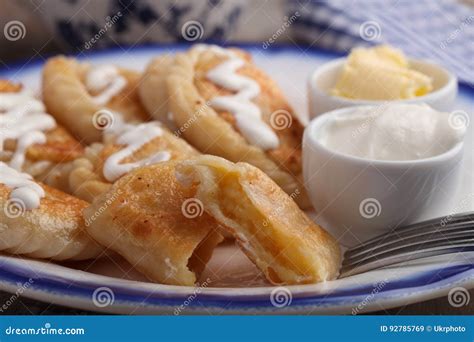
(442,31)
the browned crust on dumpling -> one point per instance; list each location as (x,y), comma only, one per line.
(267,224)
(143,220)
(60,146)
(55,230)
(271,99)
(215,132)
(153,90)
(7,86)
(68,100)
(87,180)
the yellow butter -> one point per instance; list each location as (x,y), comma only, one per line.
(380,73)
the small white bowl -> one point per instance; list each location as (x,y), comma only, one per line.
(357,199)
(324,78)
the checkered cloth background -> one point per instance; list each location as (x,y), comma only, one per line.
(441,30)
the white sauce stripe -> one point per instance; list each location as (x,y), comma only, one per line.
(105,82)
(133,137)
(24,119)
(247,114)
(23,187)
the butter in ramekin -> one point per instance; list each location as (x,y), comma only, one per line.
(380,73)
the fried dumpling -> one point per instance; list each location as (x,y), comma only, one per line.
(41,222)
(156,224)
(84,98)
(124,149)
(31,141)
(230,108)
(153,90)
(267,224)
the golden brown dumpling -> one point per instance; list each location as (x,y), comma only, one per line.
(156,224)
(267,224)
(85,99)
(55,229)
(33,142)
(230,108)
(104,163)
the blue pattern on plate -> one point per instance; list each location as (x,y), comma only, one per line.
(84,289)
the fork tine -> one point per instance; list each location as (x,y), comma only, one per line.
(417,246)
(453,230)
(424,226)
(437,236)
(397,258)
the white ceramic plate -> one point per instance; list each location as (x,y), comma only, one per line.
(231,284)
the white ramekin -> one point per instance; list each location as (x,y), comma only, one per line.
(323,79)
(360,198)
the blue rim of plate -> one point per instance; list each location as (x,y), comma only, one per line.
(434,279)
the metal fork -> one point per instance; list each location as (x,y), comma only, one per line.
(443,235)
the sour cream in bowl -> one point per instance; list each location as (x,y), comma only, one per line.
(369,169)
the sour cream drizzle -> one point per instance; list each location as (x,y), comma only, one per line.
(133,137)
(24,188)
(247,114)
(24,119)
(106,82)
